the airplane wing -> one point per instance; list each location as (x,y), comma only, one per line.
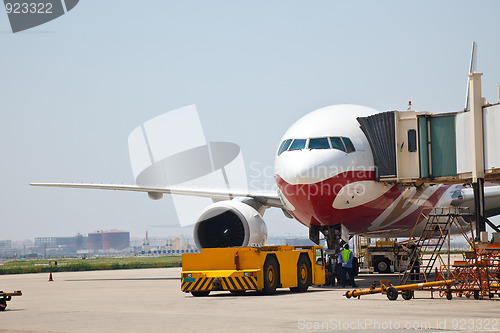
(270,199)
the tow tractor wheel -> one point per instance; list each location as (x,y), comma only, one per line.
(383,265)
(304,272)
(392,293)
(200,293)
(407,294)
(3,304)
(271,275)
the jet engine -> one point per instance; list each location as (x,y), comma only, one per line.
(230,223)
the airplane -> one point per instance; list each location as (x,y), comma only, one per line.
(326,177)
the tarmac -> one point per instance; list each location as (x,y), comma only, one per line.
(150,300)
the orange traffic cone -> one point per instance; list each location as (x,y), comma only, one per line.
(50,277)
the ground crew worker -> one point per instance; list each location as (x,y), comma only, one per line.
(345,259)
(414,262)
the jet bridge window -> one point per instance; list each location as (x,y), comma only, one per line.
(284,146)
(298,144)
(337,143)
(412,140)
(319,143)
(348,144)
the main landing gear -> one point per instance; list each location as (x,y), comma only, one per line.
(334,242)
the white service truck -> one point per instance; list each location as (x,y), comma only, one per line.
(382,256)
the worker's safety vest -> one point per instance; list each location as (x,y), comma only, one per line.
(345,255)
(415,255)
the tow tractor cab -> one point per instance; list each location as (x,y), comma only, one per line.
(266,268)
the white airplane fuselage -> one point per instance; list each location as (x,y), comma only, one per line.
(326,182)
(326,176)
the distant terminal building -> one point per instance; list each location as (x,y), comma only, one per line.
(299,242)
(162,246)
(105,240)
(55,246)
(5,244)
(6,250)
(78,241)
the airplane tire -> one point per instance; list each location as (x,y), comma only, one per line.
(355,266)
(271,275)
(392,293)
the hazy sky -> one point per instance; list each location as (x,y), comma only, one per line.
(73,89)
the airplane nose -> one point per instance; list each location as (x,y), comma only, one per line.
(310,166)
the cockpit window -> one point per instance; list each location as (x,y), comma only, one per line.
(298,144)
(337,143)
(340,143)
(284,146)
(319,143)
(348,145)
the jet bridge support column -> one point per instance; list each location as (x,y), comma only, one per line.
(478,187)
(476,117)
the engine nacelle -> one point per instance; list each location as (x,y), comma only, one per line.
(230,223)
(155,195)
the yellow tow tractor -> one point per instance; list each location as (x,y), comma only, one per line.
(266,268)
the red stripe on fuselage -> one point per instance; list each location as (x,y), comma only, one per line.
(425,208)
(314,203)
